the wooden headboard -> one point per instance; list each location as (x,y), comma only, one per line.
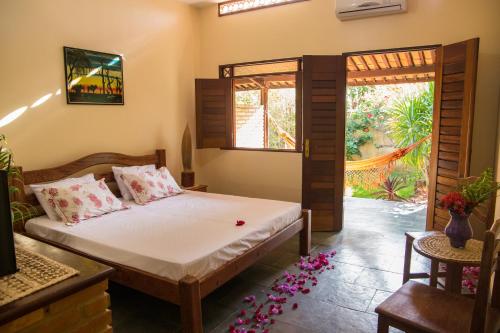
(75,167)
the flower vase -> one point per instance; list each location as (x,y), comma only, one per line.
(458,229)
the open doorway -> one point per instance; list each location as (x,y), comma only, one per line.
(389,121)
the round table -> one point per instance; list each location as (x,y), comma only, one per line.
(437,247)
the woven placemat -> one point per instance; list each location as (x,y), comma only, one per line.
(438,246)
(35,272)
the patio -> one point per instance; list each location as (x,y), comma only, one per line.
(368,268)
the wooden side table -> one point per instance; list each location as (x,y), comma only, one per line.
(437,248)
(77,304)
(198,188)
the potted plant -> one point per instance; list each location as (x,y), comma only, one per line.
(460,204)
(10,212)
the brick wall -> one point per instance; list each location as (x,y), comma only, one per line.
(83,312)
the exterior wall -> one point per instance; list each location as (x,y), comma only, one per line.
(311,28)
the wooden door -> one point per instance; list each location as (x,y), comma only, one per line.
(214,113)
(324,84)
(456,67)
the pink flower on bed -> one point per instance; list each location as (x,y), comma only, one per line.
(95,200)
(170,189)
(109,200)
(151,183)
(53,191)
(77,201)
(63,203)
(75,188)
(160,185)
(136,186)
(163,175)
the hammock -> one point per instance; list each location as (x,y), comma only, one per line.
(369,172)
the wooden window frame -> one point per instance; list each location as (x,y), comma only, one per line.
(252,9)
(229,68)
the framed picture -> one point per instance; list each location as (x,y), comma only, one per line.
(93,77)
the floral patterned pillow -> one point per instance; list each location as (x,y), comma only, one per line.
(151,185)
(80,202)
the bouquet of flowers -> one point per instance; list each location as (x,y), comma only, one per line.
(470,194)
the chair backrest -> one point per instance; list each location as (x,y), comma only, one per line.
(489,265)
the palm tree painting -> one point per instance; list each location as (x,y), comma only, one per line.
(93,77)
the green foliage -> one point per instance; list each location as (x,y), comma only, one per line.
(390,187)
(281,108)
(19,211)
(410,121)
(480,189)
(364,111)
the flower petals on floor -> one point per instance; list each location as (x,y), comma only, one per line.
(258,317)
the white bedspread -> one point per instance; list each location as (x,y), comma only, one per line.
(190,234)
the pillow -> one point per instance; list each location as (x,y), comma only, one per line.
(118,171)
(80,202)
(47,207)
(151,185)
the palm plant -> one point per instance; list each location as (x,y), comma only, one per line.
(411,120)
(19,211)
(389,189)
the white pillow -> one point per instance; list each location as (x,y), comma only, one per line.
(47,207)
(118,171)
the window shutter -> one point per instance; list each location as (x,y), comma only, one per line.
(456,67)
(324,84)
(214,111)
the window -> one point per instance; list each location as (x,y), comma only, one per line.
(266,98)
(265,112)
(239,6)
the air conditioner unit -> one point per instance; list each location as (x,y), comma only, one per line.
(352,9)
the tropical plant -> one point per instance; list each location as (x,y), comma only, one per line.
(411,120)
(390,187)
(479,189)
(19,210)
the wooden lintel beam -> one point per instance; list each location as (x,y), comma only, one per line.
(380,73)
(352,82)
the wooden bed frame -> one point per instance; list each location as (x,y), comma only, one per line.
(189,291)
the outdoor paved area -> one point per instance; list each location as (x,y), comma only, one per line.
(368,268)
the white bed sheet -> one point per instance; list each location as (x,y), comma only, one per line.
(190,234)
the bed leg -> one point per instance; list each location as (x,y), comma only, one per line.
(305,233)
(190,302)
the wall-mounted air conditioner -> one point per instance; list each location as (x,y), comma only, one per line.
(352,9)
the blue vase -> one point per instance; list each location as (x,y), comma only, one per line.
(458,230)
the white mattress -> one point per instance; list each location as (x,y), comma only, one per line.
(190,234)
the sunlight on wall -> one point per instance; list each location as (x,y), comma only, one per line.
(10,117)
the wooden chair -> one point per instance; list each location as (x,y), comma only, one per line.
(416,307)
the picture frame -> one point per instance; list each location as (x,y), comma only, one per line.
(93,77)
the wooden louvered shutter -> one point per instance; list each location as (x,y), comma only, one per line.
(455,84)
(324,84)
(214,112)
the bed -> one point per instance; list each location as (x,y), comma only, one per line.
(178,249)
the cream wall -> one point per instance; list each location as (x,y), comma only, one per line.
(311,28)
(160,42)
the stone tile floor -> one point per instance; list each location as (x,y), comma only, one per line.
(368,268)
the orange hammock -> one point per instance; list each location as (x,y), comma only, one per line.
(373,171)
(369,172)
